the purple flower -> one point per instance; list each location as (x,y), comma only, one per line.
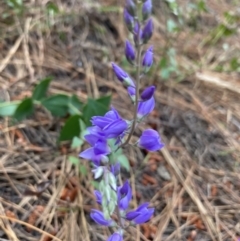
(129,52)
(98,217)
(141,215)
(98,196)
(150,140)
(146,9)
(115,129)
(144,108)
(103,121)
(148,93)
(122,75)
(129,20)
(131,7)
(147,31)
(96,153)
(132,93)
(148,59)
(115,237)
(124,196)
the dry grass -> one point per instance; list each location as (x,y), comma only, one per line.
(194,182)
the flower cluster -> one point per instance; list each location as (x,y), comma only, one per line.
(110,132)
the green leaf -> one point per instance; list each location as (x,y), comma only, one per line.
(41,89)
(95,184)
(24,109)
(75,105)
(95,108)
(74,160)
(76,142)
(105,100)
(71,128)
(52,8)
(8,108)
(57,104)
(122,159)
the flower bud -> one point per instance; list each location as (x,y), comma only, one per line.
(148,93)
(98,172)
(99,218)
(115,237)
(98,196)
(148,59)
(147,31)
(129,20)
(129,52)
(144,108)
(137,31)
(131,7)
(124,195)
(150,140)
(115,168)
(122,75)
(132,93)
(146,9)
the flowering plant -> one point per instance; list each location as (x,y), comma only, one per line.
(110,132)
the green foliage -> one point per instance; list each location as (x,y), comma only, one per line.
(168,64)
(8,108)
(71,128)
(95,107)
(118,156)
(24,109)
(59,105)
(41,89)
(75,161)
(16,5)
(76,142)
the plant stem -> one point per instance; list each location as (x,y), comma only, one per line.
(139,49)
(119,218)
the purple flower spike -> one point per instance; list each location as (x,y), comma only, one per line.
(115,129)
(115,237)
(124,196)
(98,196)
(129,20)
(144,108)
(148,93)
(131,7)
(122,75)
(129,52)
(150,140)
(141,215)
(148,59)
(147,9)
(147,31)
(98,217)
